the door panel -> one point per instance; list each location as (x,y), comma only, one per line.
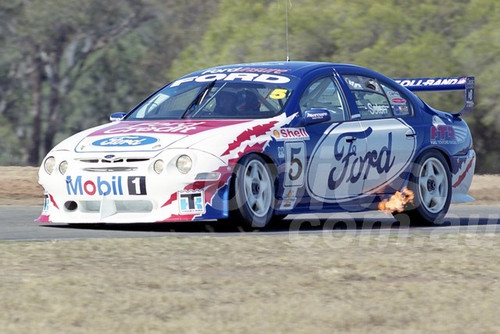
(335,165)
(390,148)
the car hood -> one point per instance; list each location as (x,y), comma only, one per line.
(149,136)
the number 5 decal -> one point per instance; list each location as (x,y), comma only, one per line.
(295,153)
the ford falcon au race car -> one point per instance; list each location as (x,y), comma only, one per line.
(255,142)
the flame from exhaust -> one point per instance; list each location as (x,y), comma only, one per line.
(397,202)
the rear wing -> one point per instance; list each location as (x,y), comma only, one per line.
(444,84)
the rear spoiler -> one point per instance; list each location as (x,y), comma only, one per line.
(443,84)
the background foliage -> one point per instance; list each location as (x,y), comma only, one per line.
(65,65)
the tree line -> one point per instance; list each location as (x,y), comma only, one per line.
(65,65)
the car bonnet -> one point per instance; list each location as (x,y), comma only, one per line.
(147,136)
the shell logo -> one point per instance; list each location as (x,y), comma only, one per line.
(290,134)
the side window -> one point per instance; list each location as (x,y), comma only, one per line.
(371,99)
(399,104)
(324,93)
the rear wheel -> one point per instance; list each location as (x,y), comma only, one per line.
(252,192)
(430,181)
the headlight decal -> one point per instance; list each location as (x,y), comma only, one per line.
(184,164)
(49,164)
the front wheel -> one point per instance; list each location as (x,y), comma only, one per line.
(430,181)
(252,192)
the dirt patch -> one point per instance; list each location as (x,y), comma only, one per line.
(20,187)
(485,188)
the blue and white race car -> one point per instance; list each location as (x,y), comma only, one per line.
(253,142)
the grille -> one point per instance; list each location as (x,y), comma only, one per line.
(113,164)
(109,169)
(121,206)
(112,161)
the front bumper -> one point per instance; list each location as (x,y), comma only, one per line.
(130,191)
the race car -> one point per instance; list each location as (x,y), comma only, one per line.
(251,143)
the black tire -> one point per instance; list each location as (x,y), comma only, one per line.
(252,195)
(430,181)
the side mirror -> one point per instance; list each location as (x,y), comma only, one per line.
(316,115)
(116,116)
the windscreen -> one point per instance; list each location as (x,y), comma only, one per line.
(233,96)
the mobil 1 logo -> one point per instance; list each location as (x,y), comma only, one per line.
(105,186)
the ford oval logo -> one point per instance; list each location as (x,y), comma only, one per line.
(125,141)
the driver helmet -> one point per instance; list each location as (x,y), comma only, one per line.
(247,101)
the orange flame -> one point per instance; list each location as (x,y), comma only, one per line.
(397,202)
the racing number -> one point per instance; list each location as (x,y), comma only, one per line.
(136,185)
(295,163)
(278,94)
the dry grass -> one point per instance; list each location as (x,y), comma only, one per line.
(486,188)
(249,283)
(20,186)
(253,284)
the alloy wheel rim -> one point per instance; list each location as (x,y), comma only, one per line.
(257,186)
(433,185)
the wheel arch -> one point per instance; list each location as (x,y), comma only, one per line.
(440,150)
(270,162)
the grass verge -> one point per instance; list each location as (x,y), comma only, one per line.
(248,284)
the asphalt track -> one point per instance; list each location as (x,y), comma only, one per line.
(17,224)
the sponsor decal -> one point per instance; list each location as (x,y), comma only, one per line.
(400,110)
(155,127)
(443,134)
(398,100)
(191,202)
(378,109)
(354,167)
(432,82)
(45,202)
(289,198)
(245,69)
(125,141)
(246,77)
(318,115)
(288,203)
(281,152)
(290,192)
(392,93)
(354,160)
(163,127)
(290,134)
(115,185)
